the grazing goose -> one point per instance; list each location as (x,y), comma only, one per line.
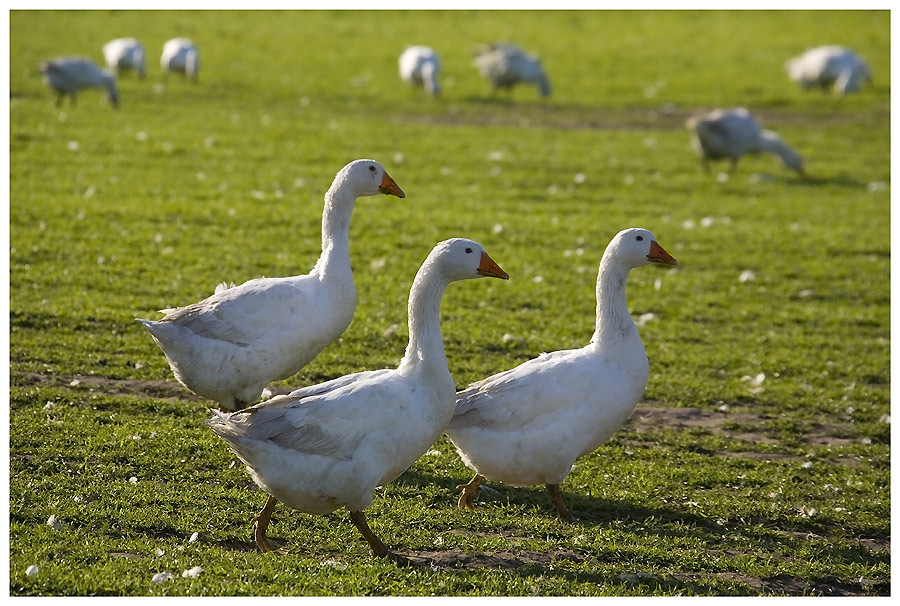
(68,75)
(419,65)
(829,67)
(529,424)
(731,133)
(504,64)
(229,346)
(180,55)
(123,54)
(328,446)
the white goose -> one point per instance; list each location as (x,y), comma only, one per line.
(328,446)
(732,133)
(504,64)
(229,346)
(419,66)
(829,67)
(68,75)
(180,55)
(123,54)
(529,424)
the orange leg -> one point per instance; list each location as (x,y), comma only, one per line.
(469,492)
(553,489)
(359,520)
(261,523)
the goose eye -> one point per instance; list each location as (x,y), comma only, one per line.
(468,250)
(640,238)
(372,168)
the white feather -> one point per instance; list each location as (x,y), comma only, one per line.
(123,54)
(180,55)
(732,133)
(829,67)
(420,66)
(504,65)
(229,346)
(328,446)
(68,75)
(529,424)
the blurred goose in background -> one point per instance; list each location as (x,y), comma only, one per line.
(732,133)
(123,54)
(829,67)
(68,75)
(528,425)
(229,346)
(328,446)
(504,64)
(180,55)
(420,65)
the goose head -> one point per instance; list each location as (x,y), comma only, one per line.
(635,247)
(109,80)
(792,159)
(462,259)
(367,178)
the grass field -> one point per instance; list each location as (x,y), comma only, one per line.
(758,462)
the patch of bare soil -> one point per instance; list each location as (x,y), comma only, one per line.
(780,585)
(503,560)
(112,387)
(585,117)
(722,423)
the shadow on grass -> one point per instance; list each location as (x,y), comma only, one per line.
(813,180)
(552,565)
(586,509)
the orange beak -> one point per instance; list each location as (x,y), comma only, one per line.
(490,269)
(389,186)
(659,255)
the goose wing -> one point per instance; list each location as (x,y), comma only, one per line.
(330,419)
(242,313)
(519,396)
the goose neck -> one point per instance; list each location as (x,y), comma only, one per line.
(772,142)
(614,323)
(336,215)
(336,227)
(426,346)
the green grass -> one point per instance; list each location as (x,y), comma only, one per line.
(780,489)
